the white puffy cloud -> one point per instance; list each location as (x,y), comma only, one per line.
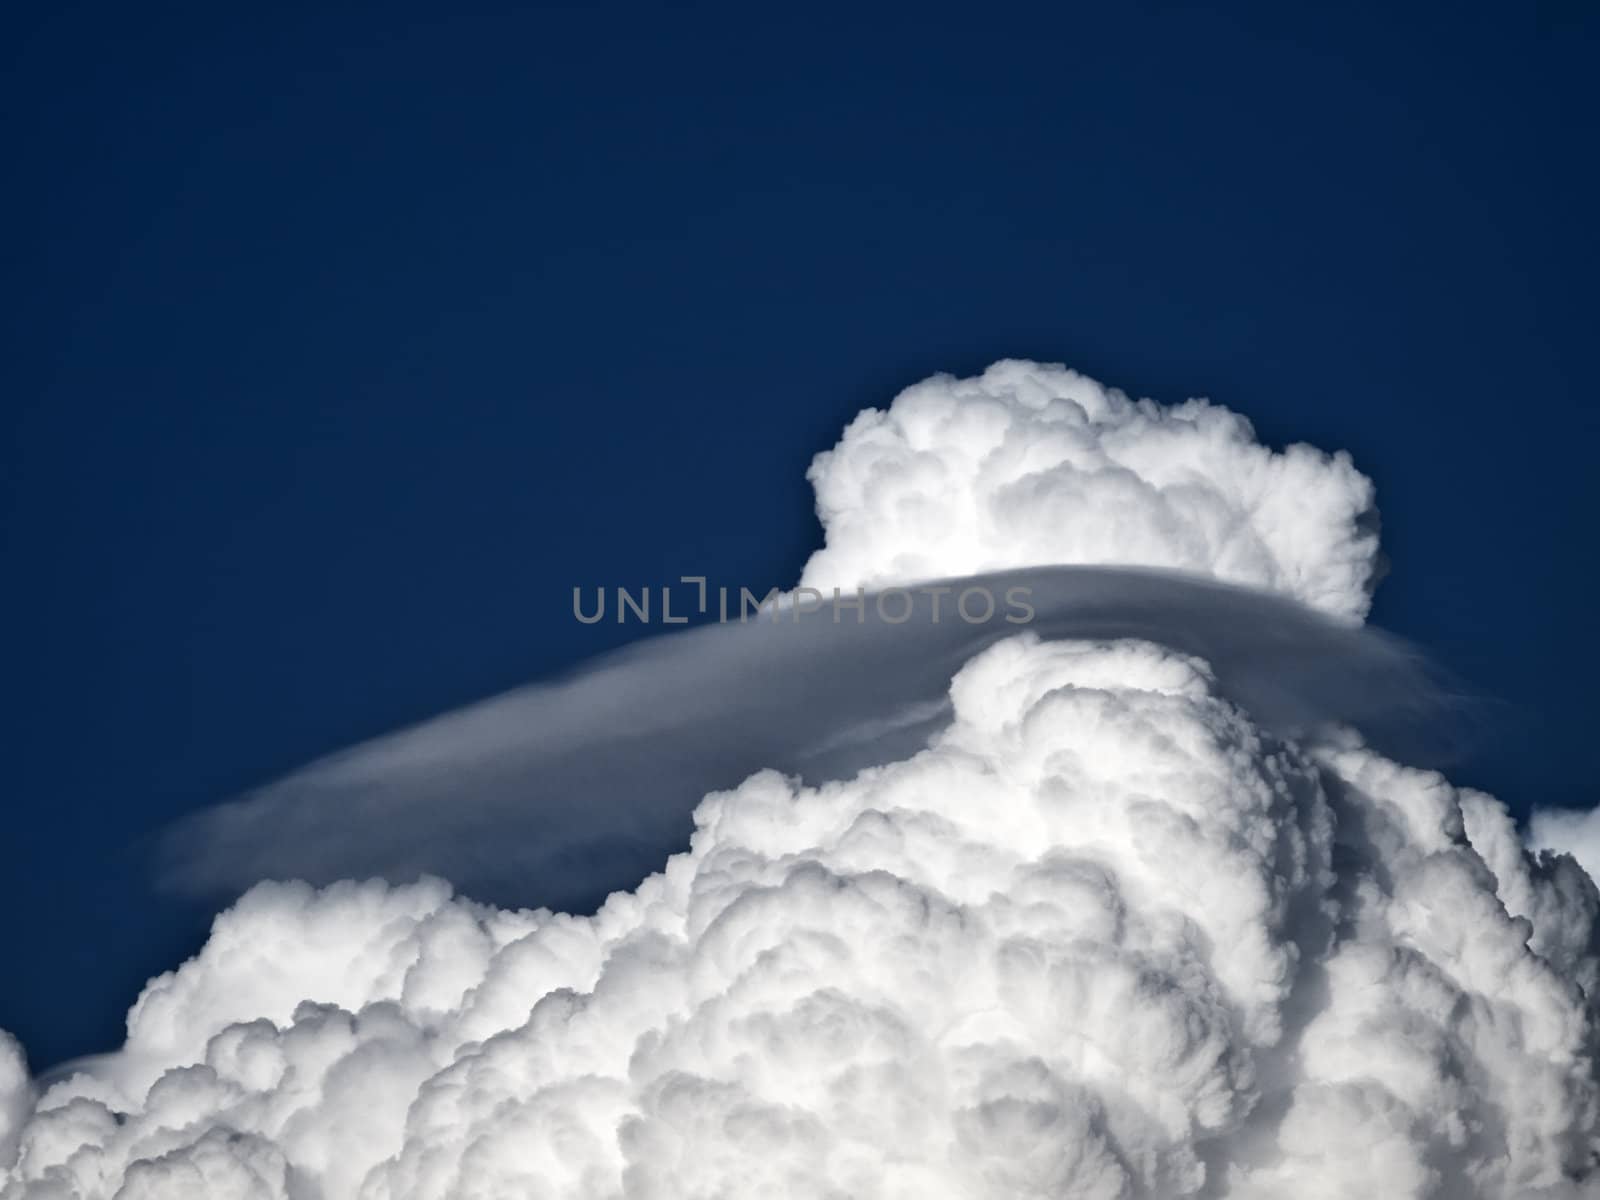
(1105,937)
(16,1095)
(1569,831)
(1033,465)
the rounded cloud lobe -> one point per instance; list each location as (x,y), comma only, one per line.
(1105,937)
(1571,832)
(1033,465)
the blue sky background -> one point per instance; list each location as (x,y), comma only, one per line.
(344,341)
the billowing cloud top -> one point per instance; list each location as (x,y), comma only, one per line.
(1029,464)
(1571,832)
(1107,936)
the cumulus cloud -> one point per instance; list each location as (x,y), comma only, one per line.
(1109,933)
(1032,464)
(1569,831)
(16,1095)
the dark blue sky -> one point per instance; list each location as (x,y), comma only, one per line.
(345,341)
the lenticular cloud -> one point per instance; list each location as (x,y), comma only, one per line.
(1108,935)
